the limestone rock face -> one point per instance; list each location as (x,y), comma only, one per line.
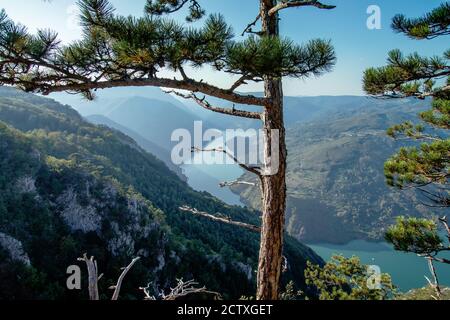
(14,248)
(26,184)
(78,217)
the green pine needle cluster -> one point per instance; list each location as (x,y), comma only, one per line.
(406,76)
(280,57)
(419,236)
(347,279)
(434,24)
(160,7)
(419,166)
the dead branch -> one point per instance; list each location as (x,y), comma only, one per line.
(122,276)
(255,170)
(435,283)
(93,277)
(444,221)
(249,27)
(206,105)
(183,289)
(291,4)
(219,219)
(236,182)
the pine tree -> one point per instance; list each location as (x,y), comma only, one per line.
(425,168)
(348,279)
(120,51)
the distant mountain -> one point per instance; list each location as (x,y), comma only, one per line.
(150,147)
(69,187)
(296,110)
(155,120)
(108,98)
(336,186)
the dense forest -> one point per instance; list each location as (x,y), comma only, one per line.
(72,187)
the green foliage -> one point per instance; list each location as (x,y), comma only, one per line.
(422,294)
(159,7)
(419,166)
(406,75)
(116,47)
(433,24)
(427,167)
(259,56)
(439,116)
(414,235)
(347,279)
(290,293)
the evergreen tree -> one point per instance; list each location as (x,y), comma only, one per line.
(120,51)
(347,279)
(426,167)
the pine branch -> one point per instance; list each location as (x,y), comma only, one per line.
(255,170)
(189,85)
(222,220)
(291,4)
(432,25)
(249,27)
(206,105)
(235,183)
(239,82)
(160,7)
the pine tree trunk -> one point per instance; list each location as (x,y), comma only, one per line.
(273,186)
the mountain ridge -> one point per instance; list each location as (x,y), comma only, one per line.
(78,167)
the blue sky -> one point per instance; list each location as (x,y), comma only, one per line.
(357,47)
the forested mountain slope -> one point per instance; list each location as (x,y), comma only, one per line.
(69,187)
(336,186)
(161,153)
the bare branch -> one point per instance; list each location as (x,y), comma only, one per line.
(242,80)
(182,290)
(93,277)
(183,73)
(442,260)
(255,170)
(444,221)
(435,283)
(292,4)
(222,220)
(205,104)
(122,276)
(248,29)
(236,182)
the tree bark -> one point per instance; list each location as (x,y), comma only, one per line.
(273,184)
